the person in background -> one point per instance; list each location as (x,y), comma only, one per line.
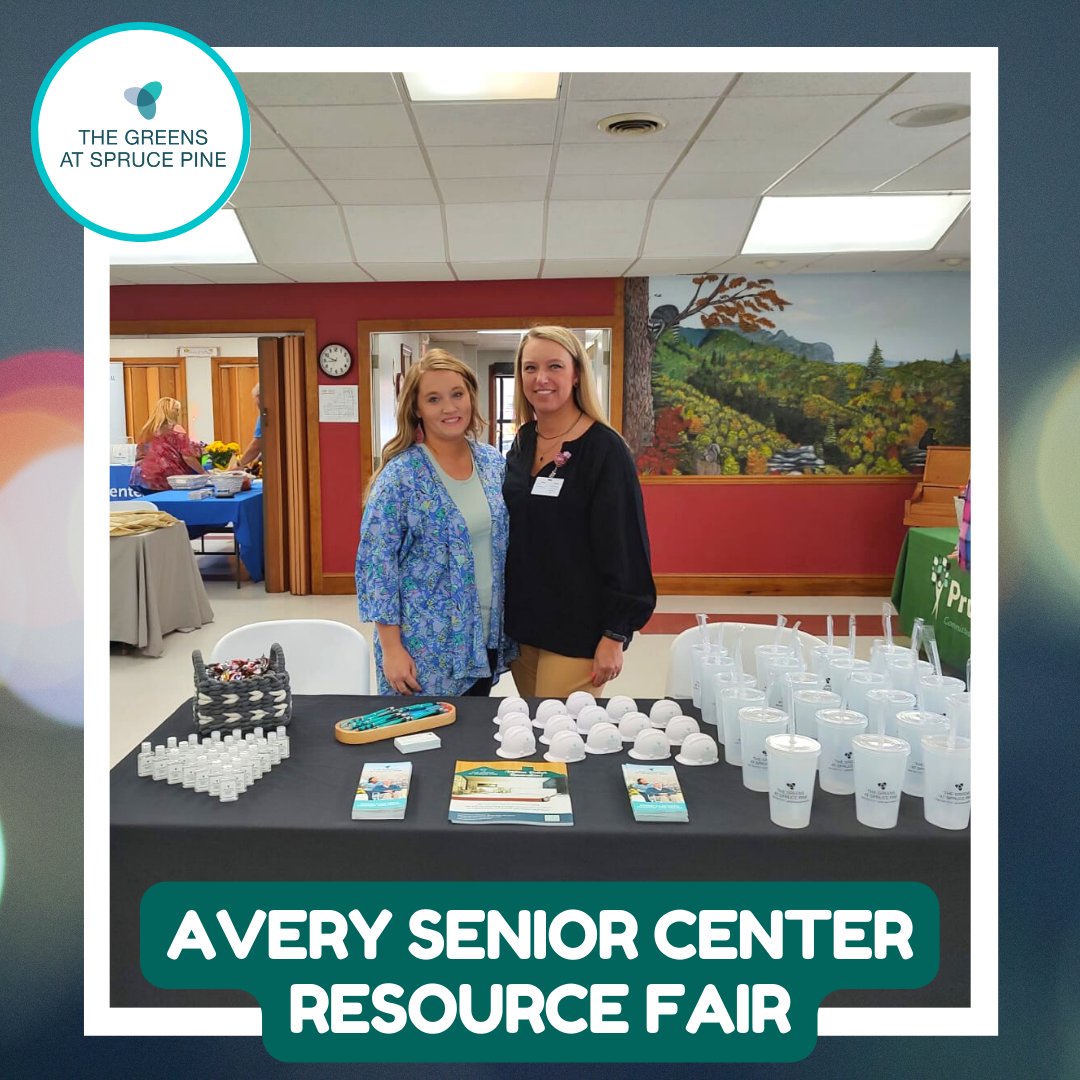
(429,566)
(253,451)
(164,449)
(578,577)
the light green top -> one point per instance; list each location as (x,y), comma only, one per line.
(469,497)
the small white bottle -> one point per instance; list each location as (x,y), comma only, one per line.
(145,761)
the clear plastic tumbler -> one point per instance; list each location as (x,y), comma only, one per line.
(756,724)
(880,763)
(934,689)
(807,704)
(914,726)
(958,710)
(947,779)
(836,729)
(732,699)
(778,668)
(792,764)
(859,684)
(889,702)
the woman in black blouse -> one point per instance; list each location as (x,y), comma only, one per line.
(578,578)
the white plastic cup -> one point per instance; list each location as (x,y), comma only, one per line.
(732,699)
(820,655)
(880,653)
(933,690)
(913,726)
(778,668)
(710,668)
(836,729)
(722,679)
(763,658)
(839,668)
(697,655)
(889,703)
(793,681)
(792,764)
(879,767)
(756,724)
(859,684)
(947,779)
(807,704)
(904,672)
(958,710)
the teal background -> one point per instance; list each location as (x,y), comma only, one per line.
(269,980)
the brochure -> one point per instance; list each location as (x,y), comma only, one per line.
(655,794)
(382,791)
(511,792)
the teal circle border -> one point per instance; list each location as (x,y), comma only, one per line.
(230,187)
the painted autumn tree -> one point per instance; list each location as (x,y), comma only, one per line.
(720,299)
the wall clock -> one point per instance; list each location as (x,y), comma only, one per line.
(335,360)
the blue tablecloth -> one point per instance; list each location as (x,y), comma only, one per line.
(119,488)
(243,511)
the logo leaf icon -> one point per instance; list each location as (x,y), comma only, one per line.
(144,98)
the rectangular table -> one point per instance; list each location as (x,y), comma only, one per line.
(120,483)
(154,588)
(295,824)
(244,512)
(932,586)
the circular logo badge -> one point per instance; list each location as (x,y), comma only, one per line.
(140,131)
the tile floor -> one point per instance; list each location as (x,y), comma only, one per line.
(145,690)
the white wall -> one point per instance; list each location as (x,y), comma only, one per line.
(387,347)
(200,391)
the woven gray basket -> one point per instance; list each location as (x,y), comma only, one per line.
(264,701)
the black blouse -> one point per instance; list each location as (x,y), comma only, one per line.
(578,563)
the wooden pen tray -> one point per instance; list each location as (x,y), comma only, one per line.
(392,731)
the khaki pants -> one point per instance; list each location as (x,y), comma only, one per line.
(539,673)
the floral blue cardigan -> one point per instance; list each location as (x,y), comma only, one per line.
(414,569)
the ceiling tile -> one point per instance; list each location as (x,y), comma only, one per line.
(586,159)
(492,232)
(617,85)
(322,271)
(811,83)
(583,268)
(389,192)
(409,271)
(367,163)
(583,230)
(733,185)
(950,170)
(297,234)
(854,262)
(486,123)
(396,233)
(689,264)
(466,161)
(502,271)
(494,189)
(957,241)
(934,262)
(282,164)
(161,275)
(281,193)
(683,116)
(319,88)
(262,136)
(238,274)
(845,182)
(945,86)
(614,186)
(710,228)
(744,155)
(342,125)
(805,121)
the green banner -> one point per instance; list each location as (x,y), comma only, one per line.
(539,971)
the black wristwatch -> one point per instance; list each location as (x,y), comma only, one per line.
(620,638)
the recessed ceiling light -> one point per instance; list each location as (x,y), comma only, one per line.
(829,223)
(482,85)
(219,239)
(953,261)
(632,124)
(770,264)
(930,115)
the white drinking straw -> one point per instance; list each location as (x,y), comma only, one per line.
(828,634)
(916,631)
(935,659)
(736,649)
(879,721)
(968,687)
(703,622)
(796,651)
(886,625)
(851,634)
(781,622)
(950,732)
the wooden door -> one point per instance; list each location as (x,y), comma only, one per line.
(145,380)
(233,379)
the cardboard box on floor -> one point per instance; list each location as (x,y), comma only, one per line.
(946,473)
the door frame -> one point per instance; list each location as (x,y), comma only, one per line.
(256,328)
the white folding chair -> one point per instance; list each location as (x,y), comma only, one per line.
(123,506)
(322,656)
(678,675)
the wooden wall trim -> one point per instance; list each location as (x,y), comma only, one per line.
(337,584)
(773,584)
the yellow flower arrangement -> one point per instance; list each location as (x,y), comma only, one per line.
(221,453)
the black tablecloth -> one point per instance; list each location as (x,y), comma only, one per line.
(295,824)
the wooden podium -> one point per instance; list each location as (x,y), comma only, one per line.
(944,477)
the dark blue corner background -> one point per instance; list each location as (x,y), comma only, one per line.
(41,303)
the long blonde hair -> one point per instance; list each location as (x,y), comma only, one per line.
(408,422)
(165,414)
(584,392)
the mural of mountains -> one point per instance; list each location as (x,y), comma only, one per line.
(779,339)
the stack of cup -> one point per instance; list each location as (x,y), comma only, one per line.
(807,704)
(722,679)
(836,729)
(879,763)
(732,699)
(792,764)
(777,669)
(947,781)
(764,655)
(712,666)
(913,726)
(698,651)
(756,724)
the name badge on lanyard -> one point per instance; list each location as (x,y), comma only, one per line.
(547,485)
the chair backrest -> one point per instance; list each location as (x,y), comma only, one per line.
(322,656)
(678,674)
(129,505)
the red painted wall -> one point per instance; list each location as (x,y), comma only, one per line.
(747,529)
